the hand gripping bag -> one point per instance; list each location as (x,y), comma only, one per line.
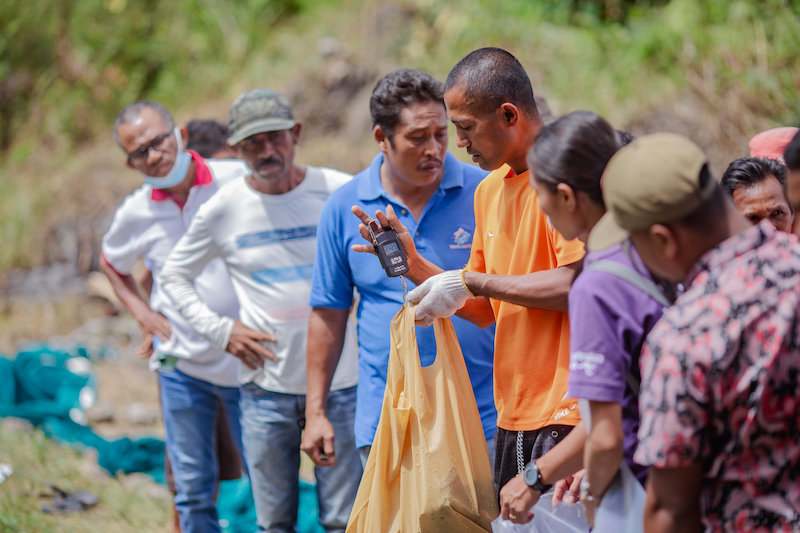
(428,470)
(563,518)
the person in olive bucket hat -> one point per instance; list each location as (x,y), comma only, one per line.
(263,226)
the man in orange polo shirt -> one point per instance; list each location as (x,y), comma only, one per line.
(519,272)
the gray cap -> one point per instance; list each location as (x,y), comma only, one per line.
(257,111)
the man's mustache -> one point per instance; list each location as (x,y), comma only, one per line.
(272,160)
(432,160)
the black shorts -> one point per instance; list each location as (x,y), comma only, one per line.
(510,459)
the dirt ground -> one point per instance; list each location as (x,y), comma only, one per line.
(121,383)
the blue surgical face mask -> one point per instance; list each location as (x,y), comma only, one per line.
(178,171)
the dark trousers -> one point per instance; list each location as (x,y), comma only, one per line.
(513,452)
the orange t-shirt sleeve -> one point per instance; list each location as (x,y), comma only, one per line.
(567,252)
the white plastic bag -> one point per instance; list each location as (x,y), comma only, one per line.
(622,507)
(564,518)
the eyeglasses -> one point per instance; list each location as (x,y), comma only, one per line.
(139,156)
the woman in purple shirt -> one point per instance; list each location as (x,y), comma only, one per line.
(613,303)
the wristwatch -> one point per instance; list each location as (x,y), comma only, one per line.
(585,496)
(533,478)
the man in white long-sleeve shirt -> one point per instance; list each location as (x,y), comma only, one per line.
(263,226)
(195,377)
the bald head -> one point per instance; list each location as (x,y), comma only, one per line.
(491,77)
(490,101)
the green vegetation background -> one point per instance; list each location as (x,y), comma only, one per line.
(68,67)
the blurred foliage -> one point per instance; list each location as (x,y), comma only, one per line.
(69,65)
(619,67)
(128,504)
(67,68)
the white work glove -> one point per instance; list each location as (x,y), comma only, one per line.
(439,297)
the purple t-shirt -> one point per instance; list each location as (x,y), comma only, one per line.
(609,319)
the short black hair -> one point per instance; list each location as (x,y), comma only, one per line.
(792,153)
(748,171)
(206,137)
(132,111)
(491,77)
(398,90)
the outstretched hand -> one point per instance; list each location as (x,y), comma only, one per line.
(388,221)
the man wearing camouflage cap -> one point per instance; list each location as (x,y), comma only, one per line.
(719,393)
(263,226)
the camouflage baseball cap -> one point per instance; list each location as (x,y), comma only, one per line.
(257,111)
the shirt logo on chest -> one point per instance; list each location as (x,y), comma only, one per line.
(462,238)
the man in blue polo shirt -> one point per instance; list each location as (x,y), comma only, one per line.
(432,194)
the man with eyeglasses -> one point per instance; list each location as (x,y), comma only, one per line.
(264,228)
(193,373)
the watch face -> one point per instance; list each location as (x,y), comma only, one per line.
(530,474)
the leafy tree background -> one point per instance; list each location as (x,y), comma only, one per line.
(72,64)
(67,67)
(718,71)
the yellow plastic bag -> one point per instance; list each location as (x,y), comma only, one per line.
(428,470)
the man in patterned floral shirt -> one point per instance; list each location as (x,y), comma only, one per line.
(720,400)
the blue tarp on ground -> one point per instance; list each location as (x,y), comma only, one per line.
(47,386)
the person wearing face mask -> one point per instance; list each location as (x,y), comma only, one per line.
(194,375)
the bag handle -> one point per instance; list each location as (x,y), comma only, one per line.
(628,274)
(642,283)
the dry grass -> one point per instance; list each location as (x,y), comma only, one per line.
(23,321)
(121,383)
(128,504)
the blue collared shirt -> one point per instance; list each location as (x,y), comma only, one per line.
(442,235)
